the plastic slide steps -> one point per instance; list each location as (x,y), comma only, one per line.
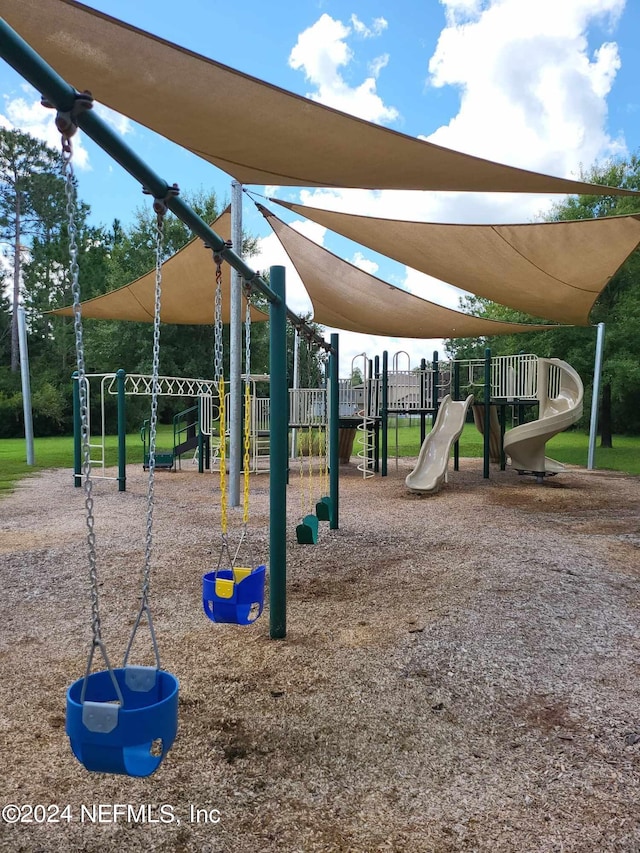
(431,468)
(525,444)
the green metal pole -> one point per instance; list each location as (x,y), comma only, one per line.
(278,439)
(200,439)
(384,411)
(423,402)
(77,431)
(334,432)
(122,431)
(487,411)
(456,396)
(436,386)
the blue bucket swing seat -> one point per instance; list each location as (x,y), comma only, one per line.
(235,595)
(125,722)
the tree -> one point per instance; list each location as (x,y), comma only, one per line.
(31,188)
(618,307)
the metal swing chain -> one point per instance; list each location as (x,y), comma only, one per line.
(219,377)
(71,201)
(67,129)
(244,537)
(160,209)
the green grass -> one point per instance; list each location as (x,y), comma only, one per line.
(57,452)
(570,447)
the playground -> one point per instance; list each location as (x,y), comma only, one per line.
(459,672)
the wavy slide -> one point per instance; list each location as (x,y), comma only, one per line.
(525,444)
(431,468)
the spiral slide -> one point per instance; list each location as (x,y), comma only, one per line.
(560,407)
(431,468)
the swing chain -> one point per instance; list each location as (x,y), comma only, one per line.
(153,424)
(160,209)
(247,406)
(217,321)
(71,201)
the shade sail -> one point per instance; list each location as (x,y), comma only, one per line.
(350,299)
(188,289)
(554,270)
(255,132)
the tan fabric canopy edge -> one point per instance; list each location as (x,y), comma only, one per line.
(345,297)
(554,270)
(255,132)
(188,288)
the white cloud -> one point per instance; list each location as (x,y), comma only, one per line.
(366,264)
(532,94)
(378,26)
(322,50)
(31,117)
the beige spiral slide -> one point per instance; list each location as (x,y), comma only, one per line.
(560,393)
(431,468)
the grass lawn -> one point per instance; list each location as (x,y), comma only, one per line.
(57,452)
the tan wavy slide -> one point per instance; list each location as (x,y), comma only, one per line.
(560,393)
(431,468)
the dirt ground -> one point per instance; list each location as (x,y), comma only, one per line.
(460,673)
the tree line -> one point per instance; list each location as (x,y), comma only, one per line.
(35,273)
(618,307)
(35,249)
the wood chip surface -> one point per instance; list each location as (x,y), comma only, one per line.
(460,673)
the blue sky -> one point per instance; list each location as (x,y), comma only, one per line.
(549,85)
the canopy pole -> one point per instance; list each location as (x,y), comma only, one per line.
(26,385)
(334,432)
(235,352)
(595,398)
(296,383)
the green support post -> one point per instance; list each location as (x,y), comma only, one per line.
(334,432)
(423,402)
(384,411)
(456,396)
(503,428)
(278,439)
(122,431)
(77,432)
(487,411)
(201,440)
(436,387)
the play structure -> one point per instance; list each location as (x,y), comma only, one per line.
(495,385)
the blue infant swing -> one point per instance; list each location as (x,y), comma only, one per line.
(231,593)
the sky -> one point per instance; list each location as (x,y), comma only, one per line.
(546,85)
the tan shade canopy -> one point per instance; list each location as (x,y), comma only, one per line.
(188,289)
(554,270)
(255,132)
(348,298)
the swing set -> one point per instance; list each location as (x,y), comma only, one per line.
(124,719)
